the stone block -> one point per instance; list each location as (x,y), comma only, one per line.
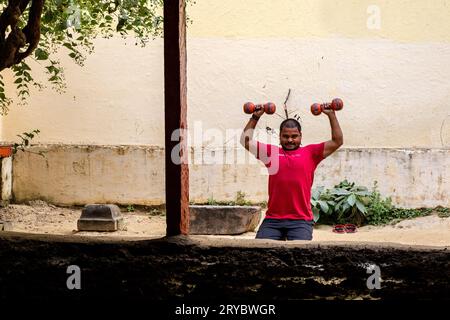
(223,220)
(100,217)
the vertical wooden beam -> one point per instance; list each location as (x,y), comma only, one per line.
(175,114)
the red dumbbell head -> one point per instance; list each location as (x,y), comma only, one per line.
(316,109)
(337,104)
(270,108)
(249,107)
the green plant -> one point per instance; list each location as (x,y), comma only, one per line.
(211,201)
(348,203)
(130,208)
(379,209)
(156,212)
(240,199)
(443,212)
(322,202)
(345,203)
(25,142)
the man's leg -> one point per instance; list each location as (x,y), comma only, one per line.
(299,230)
(270,229)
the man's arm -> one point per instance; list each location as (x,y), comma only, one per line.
(337,138)
(247,134)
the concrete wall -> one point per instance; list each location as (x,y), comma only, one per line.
(388,61)
(135,174)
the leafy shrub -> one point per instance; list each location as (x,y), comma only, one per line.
(345,203)
(348,203)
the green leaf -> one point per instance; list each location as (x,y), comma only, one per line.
(316,216)
(40,54)
(351,200)
(361,207)
(68,45)
(340,191)
(363,193)
(323,206)
(345,207)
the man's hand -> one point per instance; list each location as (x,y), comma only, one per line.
(247,134)
(258,113)
(328,111)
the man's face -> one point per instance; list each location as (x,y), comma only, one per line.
(290,138)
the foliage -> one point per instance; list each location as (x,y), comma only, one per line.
(156,212)
(25,138)
(345,203)
(130,208)
(72,25)
(348,203)
(238,201)
(443,212)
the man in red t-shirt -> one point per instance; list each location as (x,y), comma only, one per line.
(291,175)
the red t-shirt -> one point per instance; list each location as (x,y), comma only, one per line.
(291,176)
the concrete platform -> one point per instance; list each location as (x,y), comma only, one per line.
(100,217)
(223,220)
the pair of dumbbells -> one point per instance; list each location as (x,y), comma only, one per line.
(316,108)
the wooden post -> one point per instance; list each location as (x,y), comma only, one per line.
(175,114)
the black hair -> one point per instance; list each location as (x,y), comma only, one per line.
(290,123)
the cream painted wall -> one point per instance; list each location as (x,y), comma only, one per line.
(395,82)
(401,20)
(117,98)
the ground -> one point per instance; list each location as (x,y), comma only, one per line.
(40,217)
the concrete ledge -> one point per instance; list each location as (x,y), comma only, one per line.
(34,266)
(77,174)
(205,219)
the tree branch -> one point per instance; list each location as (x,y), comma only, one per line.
(17,39)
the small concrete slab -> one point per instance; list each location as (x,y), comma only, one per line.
(223,220)
(100,217)
(6,226)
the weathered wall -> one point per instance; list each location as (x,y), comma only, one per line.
(135,174)
(394,75)
(388,60)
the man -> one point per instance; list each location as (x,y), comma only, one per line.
(291,174)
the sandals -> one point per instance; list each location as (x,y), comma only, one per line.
(345,228)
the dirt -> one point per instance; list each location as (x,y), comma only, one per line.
(40,217)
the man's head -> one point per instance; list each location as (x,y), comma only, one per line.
(290,134)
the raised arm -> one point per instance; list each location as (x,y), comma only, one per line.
(337,138)
(247,134)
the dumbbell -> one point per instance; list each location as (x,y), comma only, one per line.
(317,108)
(268,107)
